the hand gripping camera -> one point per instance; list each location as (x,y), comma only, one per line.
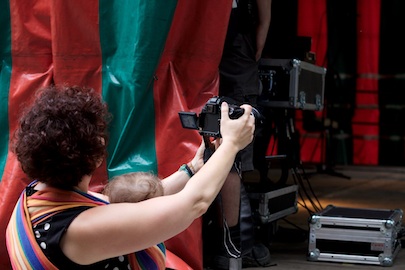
(209,119)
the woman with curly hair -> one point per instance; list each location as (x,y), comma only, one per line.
(58,223)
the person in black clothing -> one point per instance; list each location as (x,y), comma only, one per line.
(239,80)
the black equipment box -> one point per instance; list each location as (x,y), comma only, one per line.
(353,235)
(291,83)
(275,204)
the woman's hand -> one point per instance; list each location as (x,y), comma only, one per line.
(198,161)
(237,131)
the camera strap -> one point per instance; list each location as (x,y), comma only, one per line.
(209,148)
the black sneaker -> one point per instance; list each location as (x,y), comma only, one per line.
(258,257)
(227,263)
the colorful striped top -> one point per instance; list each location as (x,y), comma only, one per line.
(28,234)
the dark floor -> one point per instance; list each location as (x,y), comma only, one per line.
(367,188)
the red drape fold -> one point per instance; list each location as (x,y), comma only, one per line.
(186,78)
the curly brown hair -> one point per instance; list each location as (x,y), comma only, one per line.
(63,135)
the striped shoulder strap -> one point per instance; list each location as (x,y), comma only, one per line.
(150,258)
(23,249)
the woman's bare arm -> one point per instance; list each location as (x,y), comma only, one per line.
(176,181)
(116,229)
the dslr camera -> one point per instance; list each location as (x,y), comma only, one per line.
(207,123)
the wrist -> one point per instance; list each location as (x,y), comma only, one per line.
(193,168)
(230,146)
(185,168)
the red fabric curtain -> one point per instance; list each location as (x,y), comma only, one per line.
(312,22)
(366,118)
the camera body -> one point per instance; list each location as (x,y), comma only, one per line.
(208,122)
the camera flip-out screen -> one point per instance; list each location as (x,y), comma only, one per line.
(189,120)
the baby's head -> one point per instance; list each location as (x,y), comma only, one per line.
(133,187)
